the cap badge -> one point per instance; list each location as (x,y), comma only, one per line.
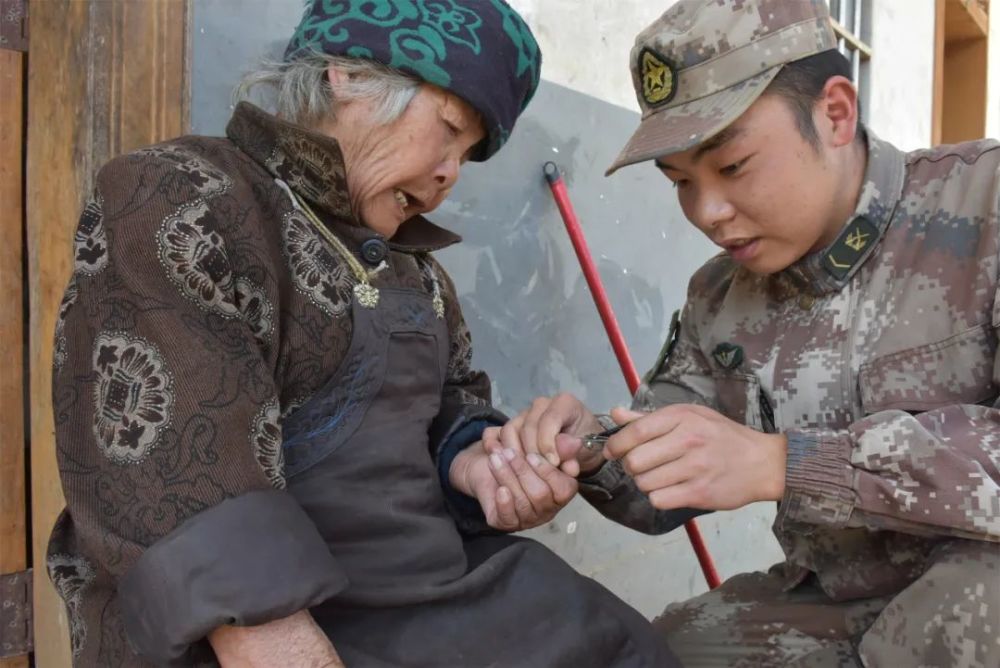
(659,78)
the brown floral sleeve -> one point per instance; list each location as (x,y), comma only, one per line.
(167,420)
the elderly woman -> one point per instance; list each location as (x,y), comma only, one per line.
(268,430)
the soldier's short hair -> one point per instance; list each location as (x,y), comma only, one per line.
(801,82)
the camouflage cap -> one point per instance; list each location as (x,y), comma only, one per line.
(698,67)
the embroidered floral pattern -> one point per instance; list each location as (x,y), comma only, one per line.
(255,308)
(69,298)
(291,406)
(265,437)
(317,272)
(71,577)
(193,252)
(90,243)
(315,170)
(460,355)
(206,178)
(133,397)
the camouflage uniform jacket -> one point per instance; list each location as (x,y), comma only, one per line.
(877,357)
(203,308)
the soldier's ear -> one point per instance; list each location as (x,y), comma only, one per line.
(836,112)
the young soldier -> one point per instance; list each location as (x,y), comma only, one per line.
(839,356)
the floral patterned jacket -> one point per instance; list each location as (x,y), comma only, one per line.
(203,308)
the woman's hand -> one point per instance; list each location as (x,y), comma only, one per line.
(516,492)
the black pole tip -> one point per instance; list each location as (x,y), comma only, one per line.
(551,172)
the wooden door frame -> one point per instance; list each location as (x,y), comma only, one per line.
(104,77)
(13,495)
(956,24)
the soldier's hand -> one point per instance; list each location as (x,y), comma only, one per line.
(687,456)
(536,430)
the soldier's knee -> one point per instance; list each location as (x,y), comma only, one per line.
(948,617)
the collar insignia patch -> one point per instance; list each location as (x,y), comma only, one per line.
(850,247)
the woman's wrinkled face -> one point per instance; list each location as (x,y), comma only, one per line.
(407,167)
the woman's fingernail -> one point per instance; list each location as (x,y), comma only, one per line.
(553,458)
(496,461)
(509,454)
(534,460)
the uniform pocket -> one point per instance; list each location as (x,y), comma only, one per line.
(956,370)
(739,397)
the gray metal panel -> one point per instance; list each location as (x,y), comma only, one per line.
(533,322)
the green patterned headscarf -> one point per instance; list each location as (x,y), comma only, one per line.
(481,50)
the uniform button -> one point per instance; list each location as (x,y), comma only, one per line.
(806,302)
(374,251)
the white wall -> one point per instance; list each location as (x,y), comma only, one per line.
(902,71)
(586,43)
(586,47)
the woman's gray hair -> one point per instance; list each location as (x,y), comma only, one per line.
(301,93)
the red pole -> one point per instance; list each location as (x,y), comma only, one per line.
(561,195)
